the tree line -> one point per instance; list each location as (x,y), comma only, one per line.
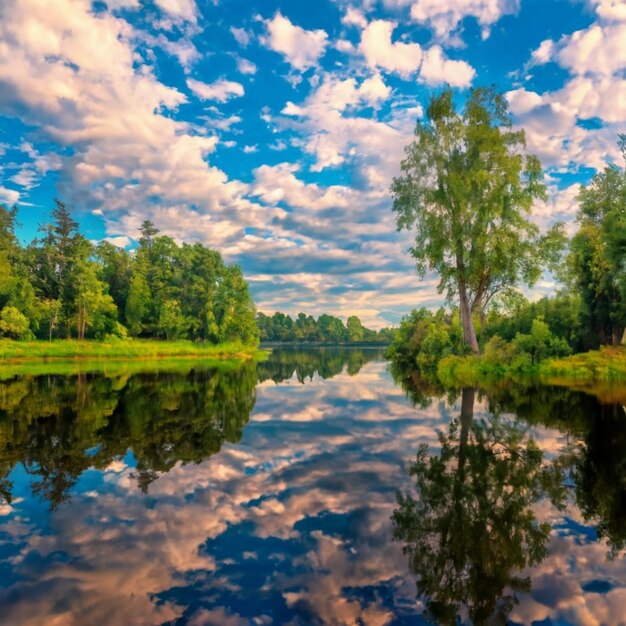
(63,286)
(466,191)
(325,329)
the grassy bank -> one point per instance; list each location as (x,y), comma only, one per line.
(607,364)
(70,349)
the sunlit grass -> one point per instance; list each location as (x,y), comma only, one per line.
(121,349)
(606,364)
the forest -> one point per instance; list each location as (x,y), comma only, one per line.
(63,286)
(325,329)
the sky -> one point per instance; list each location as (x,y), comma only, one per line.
(271,130)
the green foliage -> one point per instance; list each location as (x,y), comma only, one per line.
(609,363)
(424,338)
(65,287)
(511,313)
(59,427)
(171,321)
(112,348)
(14,324)
(326,329)
(596,265)
(432,345)
(467,191)
(540,343)
(356,331)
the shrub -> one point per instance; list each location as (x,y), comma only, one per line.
(14,324)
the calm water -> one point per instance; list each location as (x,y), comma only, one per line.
(307,490)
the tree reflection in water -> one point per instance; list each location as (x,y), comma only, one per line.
(59,426)
(471,530)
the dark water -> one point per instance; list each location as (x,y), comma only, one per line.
(269,495)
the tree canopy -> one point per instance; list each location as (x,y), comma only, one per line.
(597,258)
(61,285)
(466,190)
(326,329)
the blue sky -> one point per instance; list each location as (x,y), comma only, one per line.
(271,130)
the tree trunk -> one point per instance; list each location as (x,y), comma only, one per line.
(469,332)
(467,417)
(624,337)
(616,337)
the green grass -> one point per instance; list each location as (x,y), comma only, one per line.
(607,364)
(113,368)
(12,351)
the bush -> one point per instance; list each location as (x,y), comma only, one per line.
(14,324)
(497,350)
(540,343)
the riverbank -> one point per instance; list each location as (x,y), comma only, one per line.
(128,349)
(606,364)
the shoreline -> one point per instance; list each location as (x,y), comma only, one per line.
(73,350)
(607,365)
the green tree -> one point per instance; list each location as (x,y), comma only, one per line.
(356,331)
(331,329)
(14,324)
(540,343)
(597,259)
(171,320)
(115,271)
(95,309)
(234,308)
(137,303)
(50,313)
(467,191)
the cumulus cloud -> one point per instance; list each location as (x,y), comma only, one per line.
(179,9)
(129,153)
(443,17)
(437,70)
(301,48)
(405,59)
(221,90)
(379,50)
(598,49)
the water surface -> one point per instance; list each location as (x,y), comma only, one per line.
(307,490)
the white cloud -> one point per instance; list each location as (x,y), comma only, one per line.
(379,51)
(241,35)
(9,196)
(444,16)
(405,59)
(245,66)
(301,48)
(437,70)
(551,121)
(119,242)
(221,90)
(354,17)
(374,89)
(611,10)
(179,9)
(598,49)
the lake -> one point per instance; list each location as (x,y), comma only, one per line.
(307,489)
